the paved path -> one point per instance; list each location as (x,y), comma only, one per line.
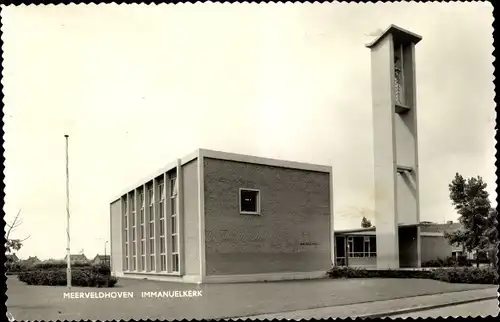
(380,308)
(475,309)
(218,301)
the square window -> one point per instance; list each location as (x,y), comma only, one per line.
(249,201)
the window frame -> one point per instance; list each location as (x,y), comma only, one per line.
(151,235)
(258,206)
(174,263)
(125,233)
(162,231)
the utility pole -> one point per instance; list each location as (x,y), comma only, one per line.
(68,258)
(105,258)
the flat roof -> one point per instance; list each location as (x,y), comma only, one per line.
(219,155)
(369,229)
(400,35)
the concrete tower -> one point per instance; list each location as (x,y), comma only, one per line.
(397,211)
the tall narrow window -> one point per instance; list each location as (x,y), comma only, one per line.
(142,231)
(398,75)
(161,209)
(151,221)
(174,223)
(134,237)
(125,233)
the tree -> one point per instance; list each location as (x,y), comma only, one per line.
(489,240)
(14,244)
(477,218)
(365,223)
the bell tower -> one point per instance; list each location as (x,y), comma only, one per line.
(397,210)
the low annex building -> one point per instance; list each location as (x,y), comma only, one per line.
(222,217)
(358,247)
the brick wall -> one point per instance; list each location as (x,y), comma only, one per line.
(434,247)
(292,234)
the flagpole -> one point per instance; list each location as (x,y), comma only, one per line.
(68,256)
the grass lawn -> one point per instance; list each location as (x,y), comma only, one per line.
(219,300)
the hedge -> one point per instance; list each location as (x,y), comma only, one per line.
(59,264)
(54,273)
(448,262)
(471,275)
(79,277)
(14,268)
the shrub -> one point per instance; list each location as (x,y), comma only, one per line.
(448,262)
(15,267)
(112,281)
(79,277)
(352,272)
(463,261)
(58,264)
(471,275)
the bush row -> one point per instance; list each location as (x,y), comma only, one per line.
(55,277)
(448,262)
(60,264)
(470,275)
(14,268)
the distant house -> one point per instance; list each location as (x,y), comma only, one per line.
(31,260)
(76,258)
(12,258)
(100,259)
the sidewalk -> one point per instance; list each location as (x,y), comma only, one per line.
(385,308)
(219,301)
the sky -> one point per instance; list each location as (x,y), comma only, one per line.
(137,86)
